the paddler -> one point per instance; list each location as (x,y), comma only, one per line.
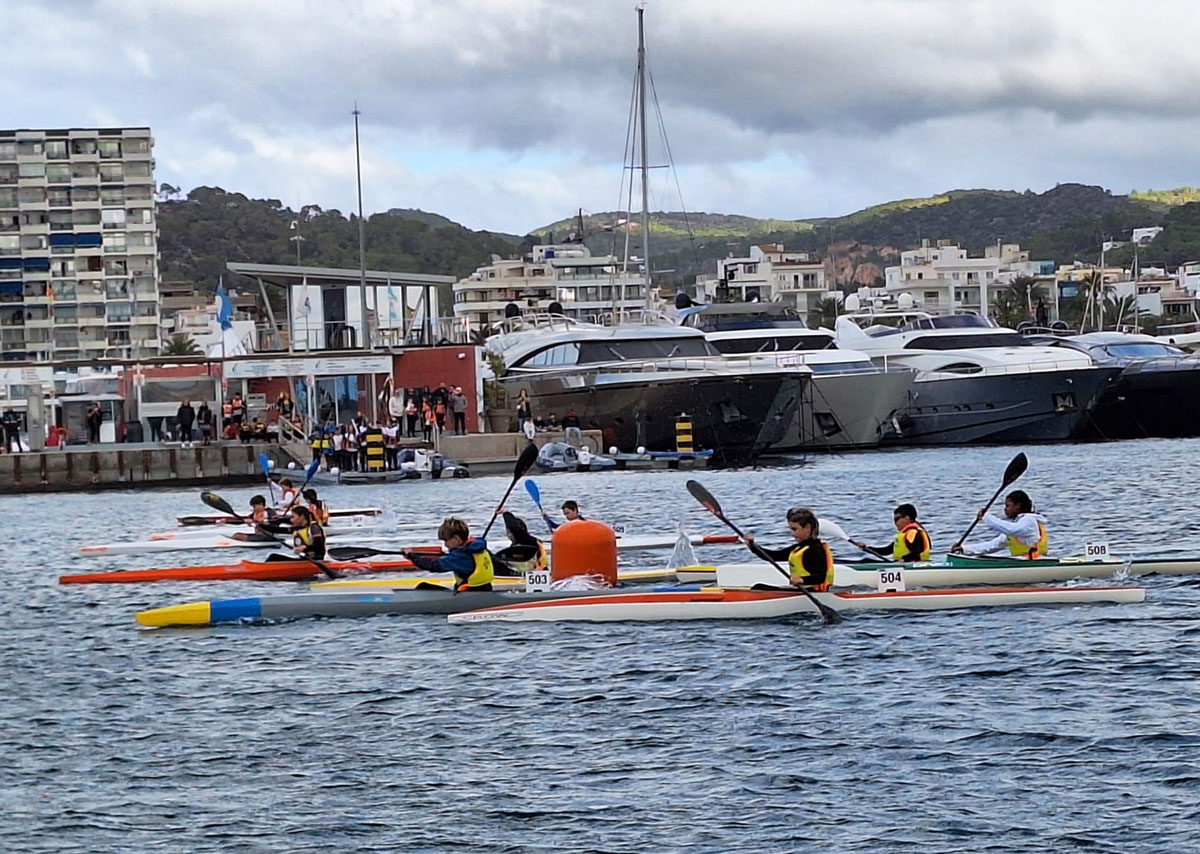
(308,537)
(287,493)
(570,511)
(320,510)
(466,556)
(1020,529)
(526,551)
(810,563)
(911,543)
(259,513)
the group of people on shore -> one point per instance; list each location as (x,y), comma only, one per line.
(422,411)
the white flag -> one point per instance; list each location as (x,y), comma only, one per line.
(1106,246)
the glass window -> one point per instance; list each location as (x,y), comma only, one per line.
(140,145)
(56,149)
(112,196)
(87,217)
(139,193)
(31,195)
(113,218)
(84,170)
(30,147)
(8,151)
(119,312)
(139,216)
(111,172)
(59,198)
(10,242)
(32,170)
(115,267)
(114,242)
(110,148)
(64,290)
(962,342)
(33,241)
(63,268)
(139,169)
(83,146)
(58,173)
(85,194)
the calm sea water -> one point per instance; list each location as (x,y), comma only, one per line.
(1037,729)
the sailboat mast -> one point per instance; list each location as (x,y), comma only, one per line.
(641,10)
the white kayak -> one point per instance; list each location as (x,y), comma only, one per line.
(717,603)
(959,571)
(625,576)
(203,519)
(627,542)
(337,525)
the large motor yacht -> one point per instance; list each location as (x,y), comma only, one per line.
(976,381)
(1156,394)
(852,403)
(633,381)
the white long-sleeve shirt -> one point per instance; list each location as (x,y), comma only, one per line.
(1024,527)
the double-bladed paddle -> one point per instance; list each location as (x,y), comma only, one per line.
(1016,467)
(216,502)
(524,463)
(264,462)
(712,506)
(536,495)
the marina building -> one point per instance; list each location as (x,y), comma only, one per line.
(588,287)
(78,244)
(769,273)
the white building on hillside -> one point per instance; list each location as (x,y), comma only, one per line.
(770,273)
(942,278)
(588,287)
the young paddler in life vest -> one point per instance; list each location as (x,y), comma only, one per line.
(259,512)
(308,537)
(911,543)
(287,493)
(468,558)
(570,511)
(809,561)
(525,553)
(320,510)
(1020,529)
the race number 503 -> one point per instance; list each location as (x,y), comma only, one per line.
(618,529)
(890,580)
(1097,550)
(537,580)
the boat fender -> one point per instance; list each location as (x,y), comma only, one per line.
(584,547)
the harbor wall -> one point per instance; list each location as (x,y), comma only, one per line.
(127,466)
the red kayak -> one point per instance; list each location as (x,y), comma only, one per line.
(271,570)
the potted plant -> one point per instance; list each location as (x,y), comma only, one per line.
(495,399)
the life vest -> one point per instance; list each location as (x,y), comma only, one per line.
(227,410)
(1018,548)
(316,443)
(483,573)
(306,537)
(537,562)
(900,549)
(798,570)
(320,513)
(259,515)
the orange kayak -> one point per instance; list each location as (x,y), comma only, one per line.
(272,570)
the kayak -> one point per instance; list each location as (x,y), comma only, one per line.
(218,519)
(959,570)
(625,576)
(716,603)
(347,525)
(205,543)
(330,604)
(282,570)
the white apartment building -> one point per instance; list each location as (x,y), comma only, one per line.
(770,273)
(588,287)
(941,278)
(78,244)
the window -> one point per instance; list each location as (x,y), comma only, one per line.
(59,198)
(8,197)
(65,290)
(58,173)
(139,145)
(139,169)
(32,170)
(111,172)
(87,217)
(84,170)
(961,342)
(33,241)
(65,337)
(31,195)
(85,194)
(30,147)
(810,280)
(10,243)
(110,148)
(115,267)
(139,193)
(83,146)
(63,268)
(114,242)
(112,196)
(8,151)
(139,216)
(119,312)
(56,149)
(930,296)
(113,219)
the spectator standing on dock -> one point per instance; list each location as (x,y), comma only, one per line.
(411,414)
(458,407)
(94,417)
(186,416)
(427,419)
(524,409)
(285,405)
(237,409)
(206,420)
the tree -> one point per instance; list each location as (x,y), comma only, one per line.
(168,192)
(824,313)
(181,345)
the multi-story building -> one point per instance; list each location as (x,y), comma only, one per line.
(78,244)
(588,287)
(941,278)
(771,274)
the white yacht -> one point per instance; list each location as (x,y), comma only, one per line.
(852,403)
(978,382)
(634,380)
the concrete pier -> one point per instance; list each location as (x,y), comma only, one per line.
(123,466)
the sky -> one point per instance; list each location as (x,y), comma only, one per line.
(510,114)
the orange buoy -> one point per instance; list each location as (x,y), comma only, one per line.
(584,547)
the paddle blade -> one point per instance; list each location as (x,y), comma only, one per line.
(534,493)
(265,464)
(830,529)
(354,552)
(525,461)
(216,502)
(311,470)
(1016,468)
(704,497)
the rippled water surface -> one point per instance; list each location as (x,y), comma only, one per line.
(1036,729)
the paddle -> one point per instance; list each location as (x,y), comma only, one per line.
(264,463)
(1016,467)
(835,531)
(216,502)
(524,462)
(357,552)
(536,495)
(712,506)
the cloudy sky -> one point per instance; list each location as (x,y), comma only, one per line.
(509,114)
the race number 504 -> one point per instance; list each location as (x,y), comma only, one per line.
(890,580)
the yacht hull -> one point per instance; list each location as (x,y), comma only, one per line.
(852,410)
(737,417)
(1145,403)
(1034,406)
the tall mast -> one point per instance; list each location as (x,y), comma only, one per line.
(362,239)
(641,10)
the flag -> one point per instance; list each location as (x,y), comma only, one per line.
(391,302)
(224,308)
(1106,246)
(306,309)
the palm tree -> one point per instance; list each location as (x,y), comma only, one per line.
(824,313)
(181,345)
(1026,290)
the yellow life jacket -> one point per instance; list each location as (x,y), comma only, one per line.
(798,570)
(484,572)
(537,562)
(1018,548)
(900,549)
(315,444)
(304,537)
